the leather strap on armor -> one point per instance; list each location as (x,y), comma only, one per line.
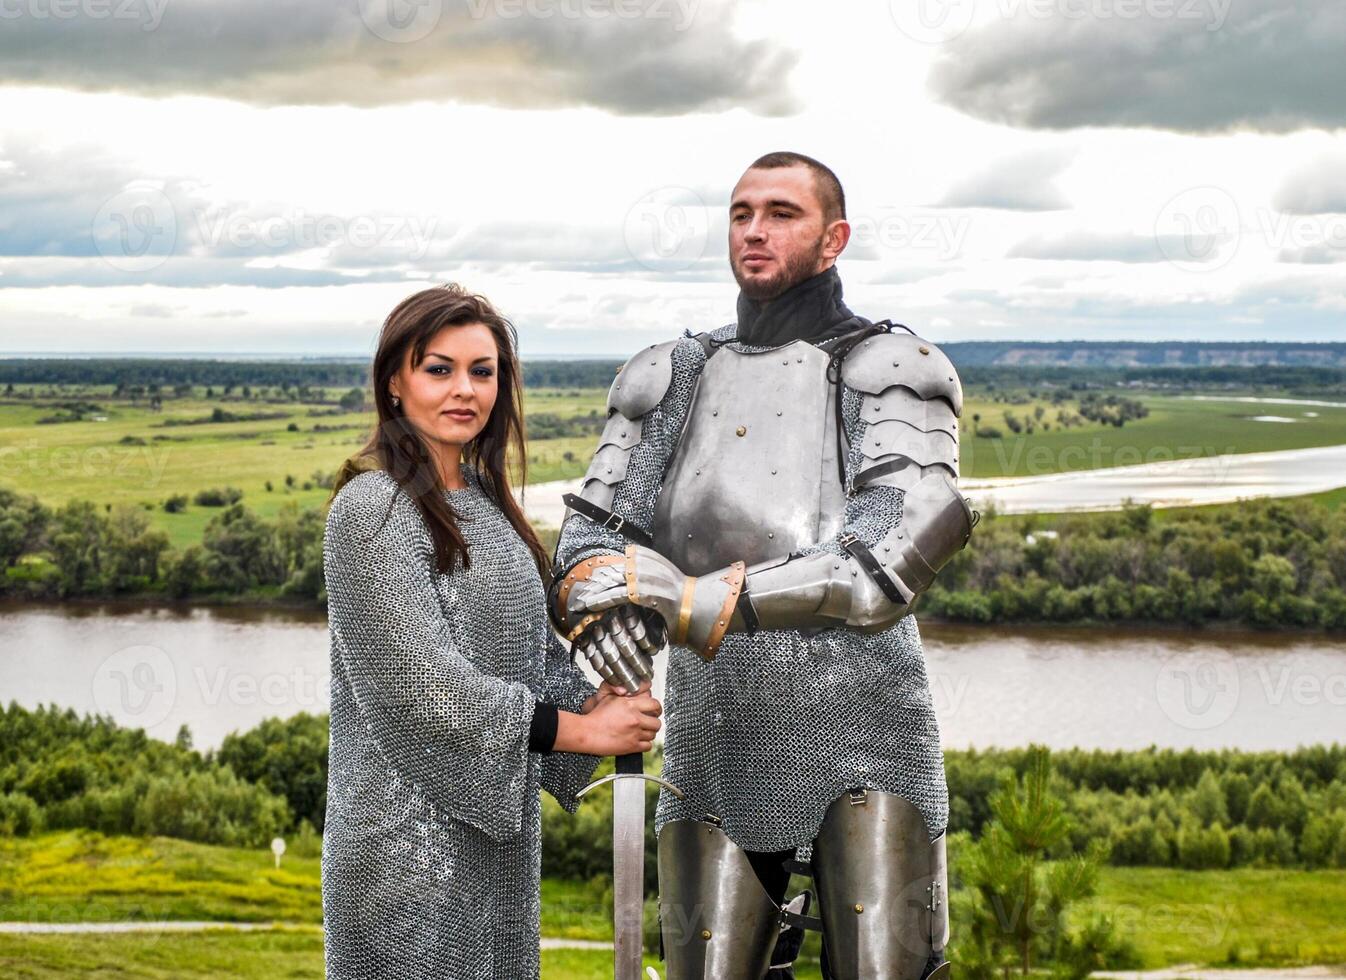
(734,577)
(746,611)
(873,569)
(839,348)
(607,519)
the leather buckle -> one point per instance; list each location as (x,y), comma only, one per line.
(608,525)
(847,538)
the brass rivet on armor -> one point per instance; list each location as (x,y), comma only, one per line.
(924,349)
(770,534)
(741,431)
(705,933)
(859,908)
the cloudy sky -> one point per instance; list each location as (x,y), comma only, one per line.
(274,175)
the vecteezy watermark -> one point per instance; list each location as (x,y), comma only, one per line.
(939,21)
(148,13)
(1014,456)
(1305,689)
(35,460)
(298,230)
(942,234)
(1202,228)
(136,229)
(1304,237)
(680,12)
(404,21)
(296,688)
(1198,690)
(136,685)
(667,229)
(1199,229)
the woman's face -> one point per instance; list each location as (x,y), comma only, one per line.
(450,394)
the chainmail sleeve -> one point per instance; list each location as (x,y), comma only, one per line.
(458,734)
(565,773)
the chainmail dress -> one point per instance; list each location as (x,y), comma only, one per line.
(432,845)
(781,722)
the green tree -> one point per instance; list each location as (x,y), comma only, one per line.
(23,523)
(241,551)
(1019,900)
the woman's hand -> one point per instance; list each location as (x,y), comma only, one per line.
(612,724)
(605,690)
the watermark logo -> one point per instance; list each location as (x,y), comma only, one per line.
(1198,691)
(136,684)
(401,21)
(1198,230)
(136,230)
(932,21)
(667,229)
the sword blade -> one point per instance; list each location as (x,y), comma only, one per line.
(628,875)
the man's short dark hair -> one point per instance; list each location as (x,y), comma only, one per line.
(831,195)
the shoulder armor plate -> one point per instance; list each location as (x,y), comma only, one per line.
(888,359)
(642,381)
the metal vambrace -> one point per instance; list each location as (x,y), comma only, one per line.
(869,589)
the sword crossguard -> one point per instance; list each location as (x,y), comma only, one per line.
(613,777)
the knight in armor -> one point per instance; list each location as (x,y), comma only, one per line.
(773,496)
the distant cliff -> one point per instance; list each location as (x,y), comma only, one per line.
(1121,354)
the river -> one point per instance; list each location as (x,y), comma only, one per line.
(221,670)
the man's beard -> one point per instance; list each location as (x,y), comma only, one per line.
(801,266)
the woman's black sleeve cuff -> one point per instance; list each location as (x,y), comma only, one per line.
(542,729)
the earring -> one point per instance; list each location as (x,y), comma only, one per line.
(396,401)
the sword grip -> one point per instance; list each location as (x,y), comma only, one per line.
(631,765)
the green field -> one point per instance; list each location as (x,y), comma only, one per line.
(295,953)
(133,457)
(1176,428)
(1243,916)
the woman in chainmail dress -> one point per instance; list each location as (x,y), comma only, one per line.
(452,699)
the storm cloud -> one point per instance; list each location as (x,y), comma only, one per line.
(1197,66)
(633,57)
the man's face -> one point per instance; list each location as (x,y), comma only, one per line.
(777,236)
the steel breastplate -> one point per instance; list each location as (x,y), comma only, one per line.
(754,475)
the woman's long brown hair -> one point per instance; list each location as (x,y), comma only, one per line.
(398,447)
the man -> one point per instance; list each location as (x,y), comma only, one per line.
(775,494)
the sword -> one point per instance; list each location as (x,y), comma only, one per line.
(628,860)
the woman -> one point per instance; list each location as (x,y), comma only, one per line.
(452,700)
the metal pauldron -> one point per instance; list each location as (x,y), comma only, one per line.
(640,386)
(912,400)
